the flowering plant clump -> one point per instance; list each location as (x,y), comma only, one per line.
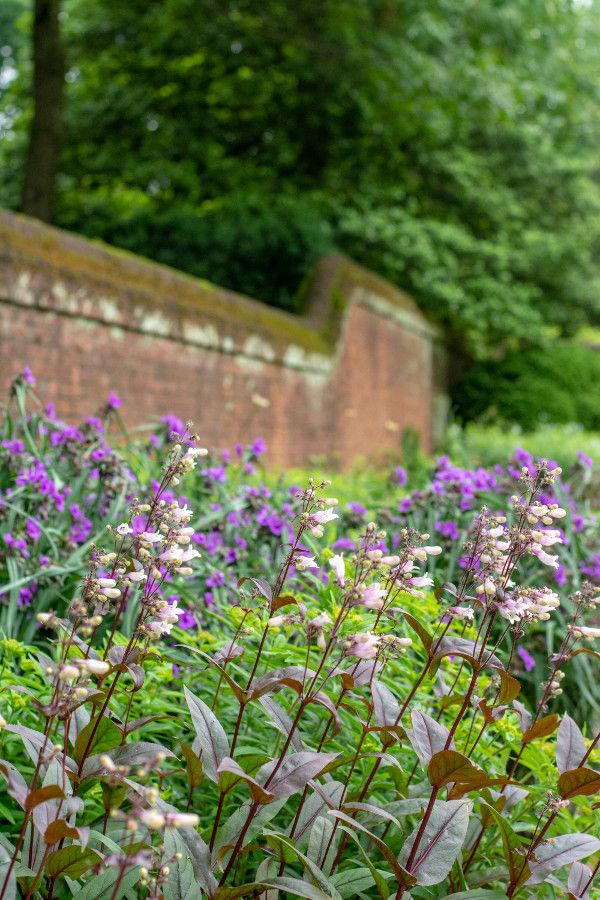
(348,726)
(446,504)
(61,486)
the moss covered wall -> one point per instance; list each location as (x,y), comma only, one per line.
(343,380)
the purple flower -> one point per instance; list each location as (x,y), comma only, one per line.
(524,459)
(14,446)
(215,473)
(400,476)
(578,522)
(17,544)
(187,621)
(526,658)
(94,422)
(113,401)
(448,529)
(560,576)
(215,579)
(81,527)
(26,595)
(173,423)
(584,459)
(357,509)
(33,529)
(27,376)
(592,568)
(344,543)
(258,447)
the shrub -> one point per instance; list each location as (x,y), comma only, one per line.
(558,384)
(346,736)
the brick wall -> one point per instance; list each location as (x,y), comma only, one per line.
(341,382)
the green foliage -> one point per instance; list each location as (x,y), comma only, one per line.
(557,383)
(333,726)
(448,144)
(488,445)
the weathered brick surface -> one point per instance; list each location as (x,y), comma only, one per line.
(341,382)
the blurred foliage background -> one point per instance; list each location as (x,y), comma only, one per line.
(450,145)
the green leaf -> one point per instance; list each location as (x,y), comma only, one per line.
(210,733)
(378,877)
(450,766)
(351,882)
(440,843)
(317,874)
(570,745)
(322,843)
(102,887)
(403,877)
(511,841)
(478,894)
(193,763)
(10,892)
(419,628)
(106,737)
(581,782)
(510,688)
(427,736)
(41,795)
(71,861)
(542,728)
(181,884)
(560,851)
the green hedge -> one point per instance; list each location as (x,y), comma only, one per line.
(558,383)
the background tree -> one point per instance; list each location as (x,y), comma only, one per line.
(452,146)
(46,134)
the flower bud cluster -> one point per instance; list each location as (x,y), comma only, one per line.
(552,688)
(528,604)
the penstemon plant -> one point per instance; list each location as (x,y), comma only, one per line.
(344,738)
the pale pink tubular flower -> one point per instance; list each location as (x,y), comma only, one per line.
(339,567)
(373,596)
(546,558)
(322,516)
(460,612)
(586,632)
(364,646)
(421,553)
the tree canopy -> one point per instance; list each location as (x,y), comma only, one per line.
(451,145)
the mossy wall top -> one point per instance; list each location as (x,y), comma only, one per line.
(251,368)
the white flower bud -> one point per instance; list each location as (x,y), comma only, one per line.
(152,819)
(68,673)
(95,666)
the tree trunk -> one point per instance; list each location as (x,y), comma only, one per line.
(47,127)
